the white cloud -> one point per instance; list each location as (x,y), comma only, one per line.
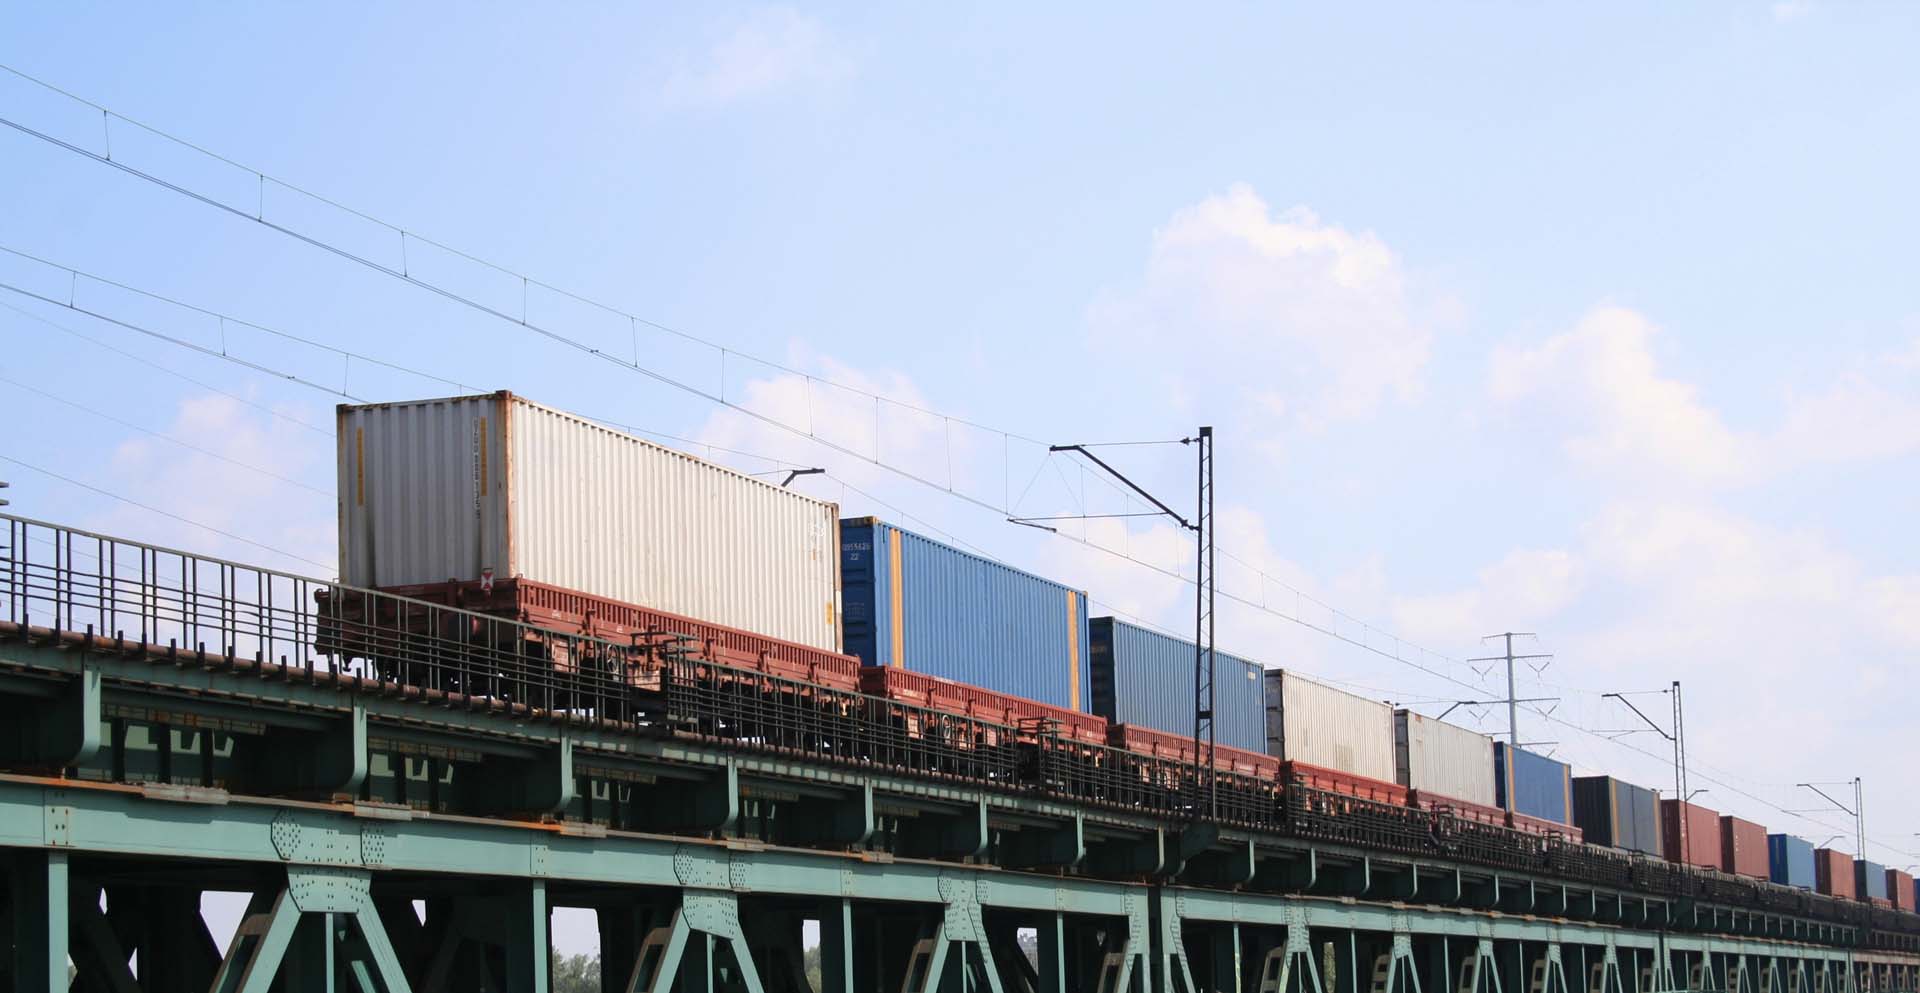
(771,49)
(1630,420)
(234,489)
(1791,10)
(1525,588)
(1321,312)
(1632,416)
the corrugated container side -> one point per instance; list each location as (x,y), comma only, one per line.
(1143,678)
(1692,839)
(1539,786)
(1833,873)
(423,491)
(1743,847)
(1319,725)
(438,490)
(1900,889)
(1790,861)
(1869,880)
(1611,812)
(917,604)
(1442,759)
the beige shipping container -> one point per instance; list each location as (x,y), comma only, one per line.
(433,490)
(1314,723)
(1433,756)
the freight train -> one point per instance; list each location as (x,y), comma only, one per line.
(956,666)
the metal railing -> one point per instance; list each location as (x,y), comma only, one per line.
(217,613)
(173,605)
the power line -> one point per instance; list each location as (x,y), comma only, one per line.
(405,235)
(89,339)
(69,480)
(524,320)
(724,352)
(289,480)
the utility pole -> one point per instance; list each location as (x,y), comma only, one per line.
(1679,739)
(1203,592)
(1858,811)
(1203,690)
(1513,698)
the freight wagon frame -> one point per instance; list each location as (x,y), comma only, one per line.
(338,800)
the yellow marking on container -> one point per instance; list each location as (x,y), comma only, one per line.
(483,457)
(1073,649)
(896,608)
(359,467)
(1613,791)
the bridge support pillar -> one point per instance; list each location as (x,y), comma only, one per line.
(300,933)
(1480,971)
(37,910)
(1291,968)
(1604,976)
(1170,969)
(694,949)
(953,955)
(1394,970)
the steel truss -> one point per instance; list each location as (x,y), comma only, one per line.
(334,890)
(171,724)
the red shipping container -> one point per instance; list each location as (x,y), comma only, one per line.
(1743,847)
(1478,813)
(934,693)
(1334,781)
(1900,888)
(571,612)
(1693,839)
(1161,744)
(1833,873)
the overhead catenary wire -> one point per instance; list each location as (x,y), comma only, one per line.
(523,318)
(190,446)
(183,377)
(105,157)
(102,491)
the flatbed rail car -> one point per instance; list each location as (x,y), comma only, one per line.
(170,606)
(543,607)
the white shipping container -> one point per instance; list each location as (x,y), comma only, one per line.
(1314,723)
(433,490)
(1433,756)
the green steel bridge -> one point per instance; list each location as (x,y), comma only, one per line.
(172,724)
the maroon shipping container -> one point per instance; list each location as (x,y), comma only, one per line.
(1743,847)
(1833,873)
(1900,888)
(573,612)
(1693,839)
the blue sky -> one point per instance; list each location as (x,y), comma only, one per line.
(1598,322)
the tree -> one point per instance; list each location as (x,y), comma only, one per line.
(576,973)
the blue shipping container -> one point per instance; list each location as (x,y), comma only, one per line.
(1539,786)
(1790,861)
(916,604)
(1610,812)
(1869,880)
(1145,678)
